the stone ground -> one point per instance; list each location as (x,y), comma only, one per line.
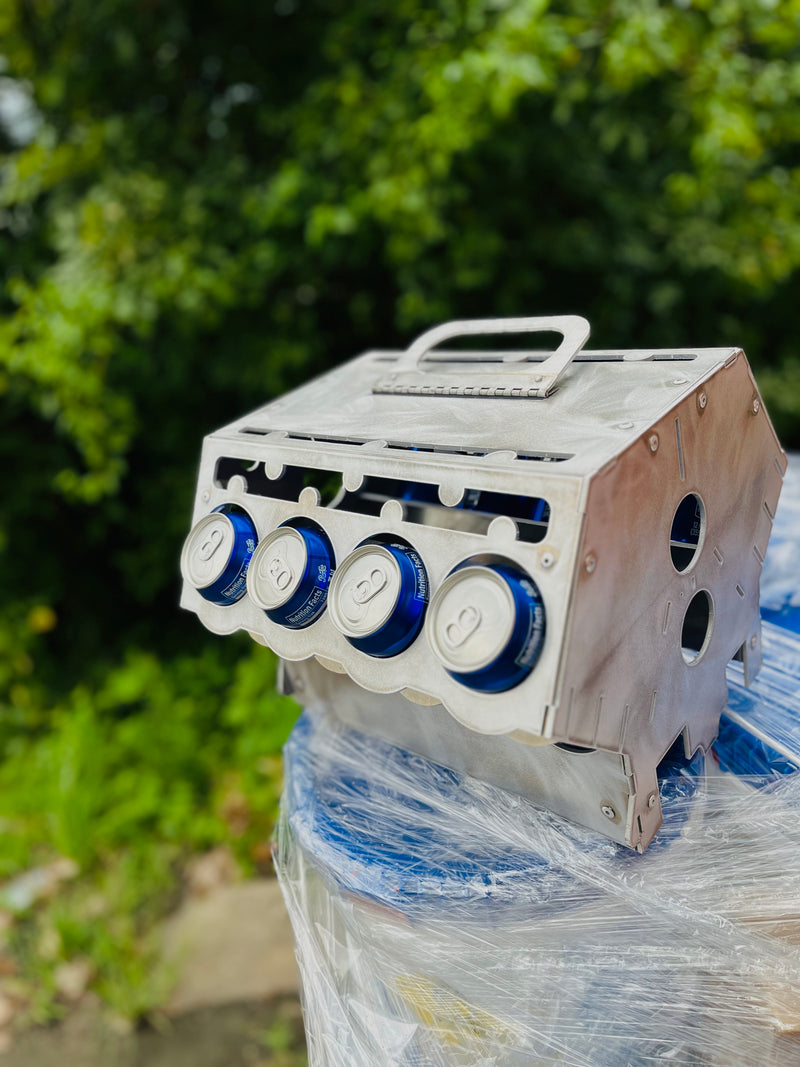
(235,1001)
(234,944)
(254,1034)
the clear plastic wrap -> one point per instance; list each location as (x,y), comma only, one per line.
(759,732)
(440,920)
(780,577)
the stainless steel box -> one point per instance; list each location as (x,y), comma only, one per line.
(640,626)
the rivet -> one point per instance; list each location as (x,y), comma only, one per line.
(206,496)
(651,800)
(756,406)
(538,378)
(608,811)
(653,442)
(702,400)
(547,560)
(624,425)
(754,640)
(590,563)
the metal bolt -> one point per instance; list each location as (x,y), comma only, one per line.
(756,407)
(651,800)
(547,560)
(754,640)
(538,378)
(680,381)
(653,442)
(206,496)
(590,563)
(624,425)
(608,811)
(702,400)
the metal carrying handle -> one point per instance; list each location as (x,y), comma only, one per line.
(537,379)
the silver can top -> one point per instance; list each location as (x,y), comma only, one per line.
(207,550)
(364,591)
(471,619)
(277,568)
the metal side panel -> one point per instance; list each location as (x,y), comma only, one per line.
(628,684)
(589,788)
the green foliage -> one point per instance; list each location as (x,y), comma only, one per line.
(202,205)
(128,779)
(151,753)
(217,203)
(105,920)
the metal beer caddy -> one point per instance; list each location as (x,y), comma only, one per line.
(613,441)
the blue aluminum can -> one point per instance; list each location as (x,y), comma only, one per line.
(532,514)
(526,509)
(486,625)
(290,574)
(217,554)
(379,596)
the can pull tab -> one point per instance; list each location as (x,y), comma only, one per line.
(362,591)
(209,547)
(458,630)
(278,570)
(516,375)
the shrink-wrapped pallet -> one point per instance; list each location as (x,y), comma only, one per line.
(443,921)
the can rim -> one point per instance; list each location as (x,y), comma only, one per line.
(190,545)
(348,628)
(255,580)
(503,634)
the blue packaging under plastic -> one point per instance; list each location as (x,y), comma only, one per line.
(780,576)
(760,730)
(408,853)
(443,921)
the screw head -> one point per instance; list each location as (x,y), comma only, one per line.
(590,563)
(754,640)
(756,406)
(651,800)
(702,400)
(608,811)
(206,496)
(547,560)
(653,442)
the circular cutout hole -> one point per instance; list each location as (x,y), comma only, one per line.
(688,531)
(698,622)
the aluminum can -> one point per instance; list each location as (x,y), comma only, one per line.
(378,597)
(290,574)
(486,625)
(217,554)
(529,509)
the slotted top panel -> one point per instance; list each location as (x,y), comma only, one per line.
(604,402)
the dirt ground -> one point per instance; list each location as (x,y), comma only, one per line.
(234,1035)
